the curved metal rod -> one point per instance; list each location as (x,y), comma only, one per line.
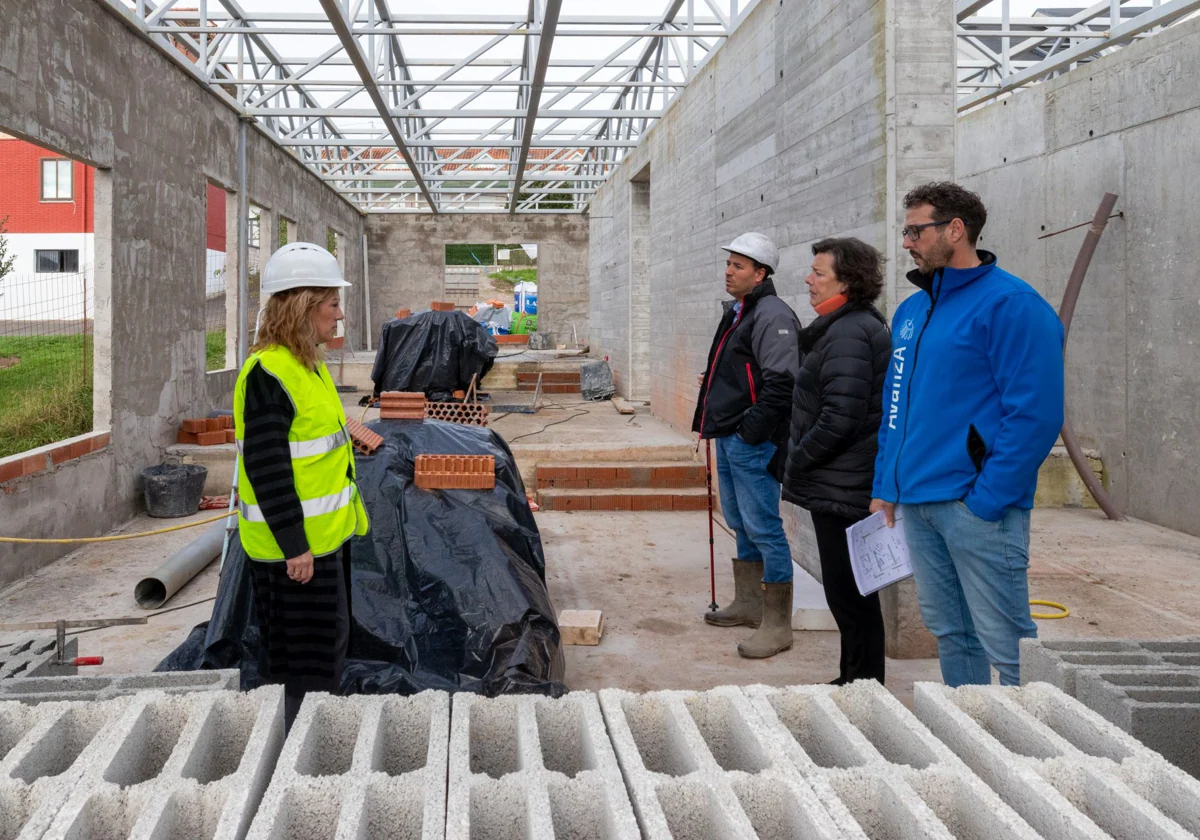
(1065,313)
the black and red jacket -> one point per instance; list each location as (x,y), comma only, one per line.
(752,367)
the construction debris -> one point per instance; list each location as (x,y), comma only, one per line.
(622,406)
(581,627)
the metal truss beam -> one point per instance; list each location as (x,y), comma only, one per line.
(367,74)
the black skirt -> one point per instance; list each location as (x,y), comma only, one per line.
(305,627)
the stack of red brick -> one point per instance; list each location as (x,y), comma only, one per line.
(365,441)
(403,313)
(455,472)
(402,405)
(442,306)
(207,431)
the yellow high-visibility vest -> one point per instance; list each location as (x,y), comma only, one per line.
(322,460)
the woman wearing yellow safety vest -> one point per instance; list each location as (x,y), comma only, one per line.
(298,505)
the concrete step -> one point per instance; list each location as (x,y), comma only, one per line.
(616,474)
(625,498)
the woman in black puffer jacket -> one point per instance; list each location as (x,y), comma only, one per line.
(837,406)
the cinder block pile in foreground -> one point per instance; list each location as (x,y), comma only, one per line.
(734,762)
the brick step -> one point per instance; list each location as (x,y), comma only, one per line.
(615,475)
(550,377)
(625,498)
(549,389)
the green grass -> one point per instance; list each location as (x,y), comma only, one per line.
(512,276)
(214,350)
(48,394)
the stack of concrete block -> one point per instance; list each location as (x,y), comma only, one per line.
(705,765)
(876,769)
(46,689)
(36,657)
(1062,767)
(361,768)
(1160,707)
(43,752)
(534,767)
(1057,662)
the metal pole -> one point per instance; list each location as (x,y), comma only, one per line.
(712,557)
(1065,313)
(366,283)
(243,247)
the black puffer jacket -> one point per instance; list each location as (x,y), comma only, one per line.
(837,406)
(751,370)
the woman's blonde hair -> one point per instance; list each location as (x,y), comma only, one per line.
(287,322)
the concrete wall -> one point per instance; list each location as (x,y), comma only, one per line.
(813,120)
(406,257)
(1042,160)
(73,78)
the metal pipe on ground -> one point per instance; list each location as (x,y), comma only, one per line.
(161,585)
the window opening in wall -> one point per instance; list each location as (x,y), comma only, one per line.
(216,282)
(501,278)
(258,223)
(333,241)
(287,231)
(254,227)
(47,289)
(57,180)
(53,262)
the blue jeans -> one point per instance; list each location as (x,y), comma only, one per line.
(750,503)
(972,587)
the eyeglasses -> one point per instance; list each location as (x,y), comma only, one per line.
(913,232)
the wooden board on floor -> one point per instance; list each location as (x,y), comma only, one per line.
(581,627)
(622,406)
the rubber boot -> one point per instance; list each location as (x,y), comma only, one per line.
(747,606)
(775,634)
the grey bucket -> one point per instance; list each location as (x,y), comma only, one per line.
(173,490)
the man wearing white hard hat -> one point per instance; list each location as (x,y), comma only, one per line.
(298,505)
(744,406)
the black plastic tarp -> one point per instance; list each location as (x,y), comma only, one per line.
(448,590)
(436,353)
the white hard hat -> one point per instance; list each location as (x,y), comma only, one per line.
(757,247)
(300,264)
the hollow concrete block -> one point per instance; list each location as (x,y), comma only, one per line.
(361,768)
(524,766)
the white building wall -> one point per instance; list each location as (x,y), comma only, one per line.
(27,295)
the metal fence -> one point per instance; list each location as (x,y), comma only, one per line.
(46,327)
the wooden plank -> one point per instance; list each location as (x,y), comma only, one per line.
(622,406)
(581,627)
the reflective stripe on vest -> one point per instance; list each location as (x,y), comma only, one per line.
(312,448)
(311,507)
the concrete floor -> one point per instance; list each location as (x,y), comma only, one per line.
(648,572)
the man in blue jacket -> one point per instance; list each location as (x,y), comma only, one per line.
(973,402)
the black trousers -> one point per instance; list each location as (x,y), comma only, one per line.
(304,627)
(858,618)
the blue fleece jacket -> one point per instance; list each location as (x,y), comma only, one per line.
(973,400)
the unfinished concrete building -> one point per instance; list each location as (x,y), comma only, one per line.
(612,151)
